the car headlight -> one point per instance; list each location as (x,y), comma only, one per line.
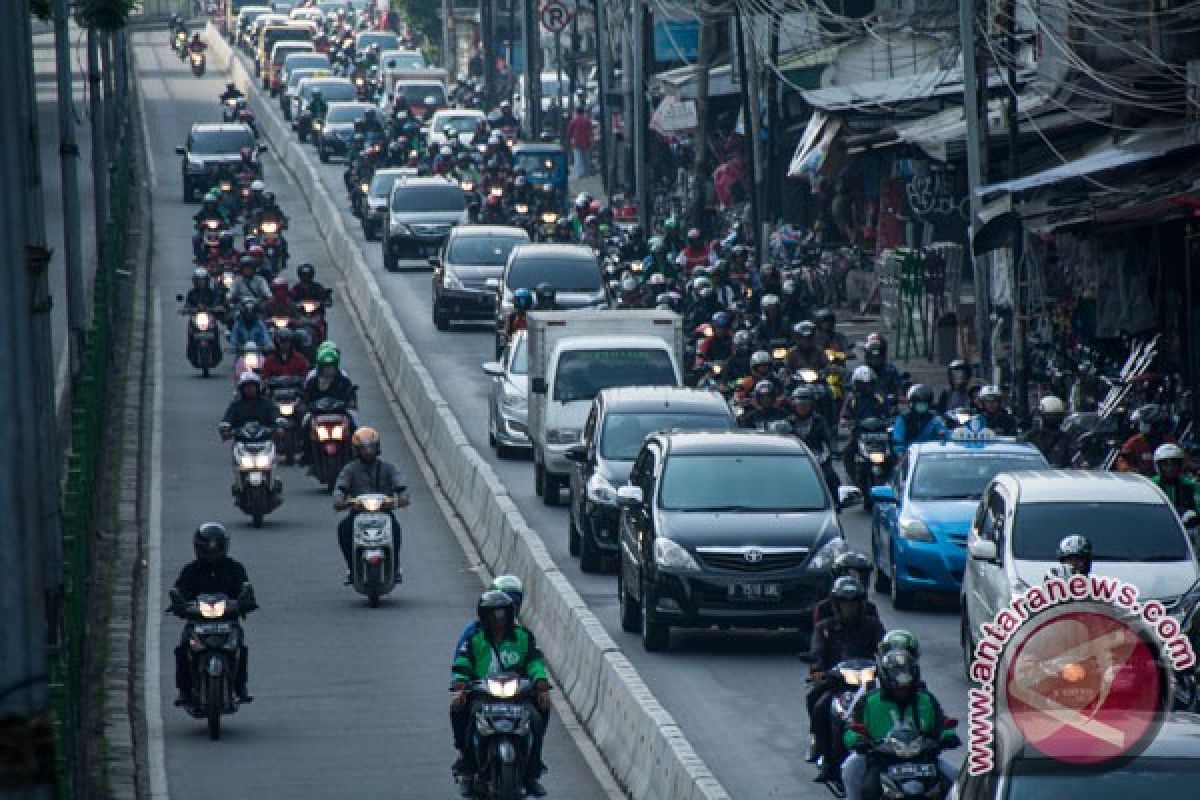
(549,217)
(672,556)
(562,436)
(914,530)
(451,281)
(808,375)
(600,491)
(514,400)
(824,557)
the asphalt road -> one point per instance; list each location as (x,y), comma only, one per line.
(349,701)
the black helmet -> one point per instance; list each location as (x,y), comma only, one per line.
(494,603)
(764,389)
(847,589)
(874,350)
(850,563)
(899,639)
(898,669)
(1149,414)
(211,542)
(825,315)
(1076,547)
(920,393)
(743,341)
(806,394)
(284,335)
(957,365)
(804,328)
(306,272)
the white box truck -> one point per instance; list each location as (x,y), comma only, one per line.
(575,354)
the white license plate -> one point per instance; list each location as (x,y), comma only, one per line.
(756,592)
(909,771)
(373,555)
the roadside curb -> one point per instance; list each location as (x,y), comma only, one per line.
(643,747)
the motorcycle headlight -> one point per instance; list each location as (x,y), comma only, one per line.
(202,320)
(669,554)
(262,460)
(824,557)
(212,610)
(808,375)
(600,491)
(372,504)
(337,432)
(915,530)
(309,307)
(364,187)
(231,102)
(779,353)
(227,279)
(246,461)
(503,688)
(252,361)
(467,186)
(317,124)
(270,227)
(287,409)
(279,322)
(549,217)
(497,192)
(212,224)
(451,281)
(878,458)
(521,208)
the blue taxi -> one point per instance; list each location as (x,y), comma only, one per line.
(922,516)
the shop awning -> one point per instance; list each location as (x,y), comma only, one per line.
(813,148)
(681,82)
(880,96)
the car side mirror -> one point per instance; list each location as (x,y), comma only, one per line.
(493,368)
(538,386)
(630,496)
(577,453)
(849,496)
(181,151)
(883,494)
(983,550)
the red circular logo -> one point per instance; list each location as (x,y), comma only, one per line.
(1085,687)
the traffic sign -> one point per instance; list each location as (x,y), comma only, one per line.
(555,16)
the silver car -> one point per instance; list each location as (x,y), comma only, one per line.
(375,209)
(1136,537)
(508,401)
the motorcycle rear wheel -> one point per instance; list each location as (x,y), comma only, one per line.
(213,697)
(508,786)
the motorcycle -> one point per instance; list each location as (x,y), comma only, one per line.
(375,547)
(214,649)
(471,196)
(249,359)
(203,345)
(872,457)
(310,327)
(199,62)
(255,490)
(850,680)
(908,763)
(285,391)
(501,735)
(329,435)
(179,43)
(271,239)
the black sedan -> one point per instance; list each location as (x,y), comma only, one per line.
(733,529)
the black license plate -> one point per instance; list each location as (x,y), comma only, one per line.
(910,771)
(502,710)
(756,592)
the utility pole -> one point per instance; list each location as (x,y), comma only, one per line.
(533,82)
(1020,277)
(576,48)
(754,130)
(602,81)
(99,142)
(774,194)
(700,171)
(976,158)
(749,148)
(488,23)
(642,24)
(68,150)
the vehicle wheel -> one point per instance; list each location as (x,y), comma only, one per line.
(331,481)
(373,597)
(590,558)
(204,372)
(539,476)
(656,634)
(902,599)
(214,712)
(390,262)
(440,320)
(492,438)
(323,154)
(550,487)
(368,231)
(257,519)
(509,787)
(573,537)
(883,585)
(631,612)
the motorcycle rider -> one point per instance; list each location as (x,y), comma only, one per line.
(738,364)
(901,696)
(499,644)
(1137,453)
(269,211)
(202,294)
(249,327)
(493,211)
(656,260)
(516,321)
(1047,434)
(994,416)
(366,473)
(773,328)
(812,429)
(280,303)
(545,297)
(1182,490)
(306,287)
(231,93)
(249,285)
(888,381)
(855,565)
(210,208)
(863,401)
(695,251)
(212,572)
(197,45)
(250,405)
(718,345)
(804,353)
(1074,556)
(765,409)
(828,337)
(285,361)
(919,423)
(327,379)
(957,394)
(505,119)
(318,106)
(850,633)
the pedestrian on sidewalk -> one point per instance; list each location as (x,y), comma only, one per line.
(579,134)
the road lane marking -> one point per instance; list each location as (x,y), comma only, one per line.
(152,674)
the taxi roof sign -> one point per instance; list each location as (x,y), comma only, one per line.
(973,432)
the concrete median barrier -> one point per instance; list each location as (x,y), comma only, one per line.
(639,740)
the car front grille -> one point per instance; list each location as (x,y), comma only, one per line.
(752,559)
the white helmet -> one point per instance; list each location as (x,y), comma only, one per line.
(257,186)
(1169,452)
(1052,405)
(862,374)
(249,377)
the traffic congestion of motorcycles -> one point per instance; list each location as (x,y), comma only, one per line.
(762,339)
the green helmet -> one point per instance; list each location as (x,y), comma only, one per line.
(899,639)
(212,196)
(671,225)
(328,353)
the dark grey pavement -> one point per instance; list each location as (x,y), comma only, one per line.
(350,702)
(738,696)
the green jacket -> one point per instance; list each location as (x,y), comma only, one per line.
(518,652)
(879,715)
(1191,499)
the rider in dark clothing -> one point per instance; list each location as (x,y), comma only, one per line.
(231,93)
(958,393)
(201,295)
(249,406)
(995,417)
(213,572)
(812,429)
(1048,436)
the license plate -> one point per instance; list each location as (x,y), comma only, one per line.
(502,710)
(205,336)
(910,771)
(213,628)
(372,556)
(756,592)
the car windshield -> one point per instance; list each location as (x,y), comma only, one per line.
(484,251)
(462,123)
(623,433)
(541,167)
(343,114)
(382,183)
(564,274)
(742,482)
(520,359)
(406,61)
(1143,777)
(220,142)
(301,60)
(386,41)
(581,374)
(331,91)
(964,476)
(297,75)
(428,198)
(415,93)
(1135,532)
(280,53)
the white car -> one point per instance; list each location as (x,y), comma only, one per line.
(1136,537)
(463,120)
